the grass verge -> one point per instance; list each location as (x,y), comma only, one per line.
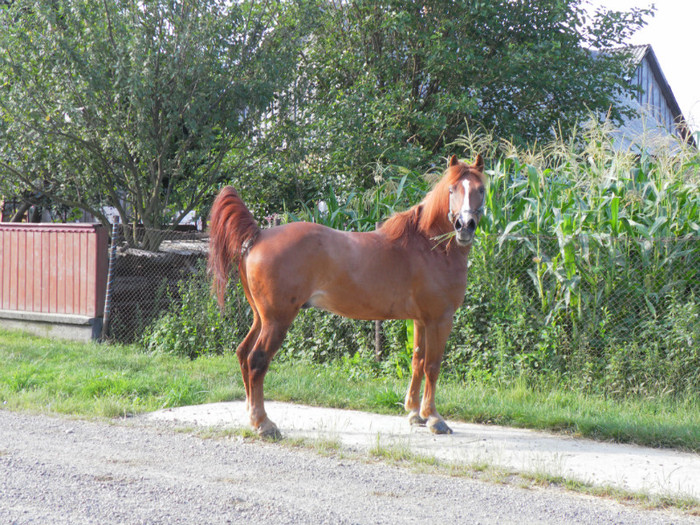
(88,379)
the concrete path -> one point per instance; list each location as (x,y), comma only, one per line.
(638,469)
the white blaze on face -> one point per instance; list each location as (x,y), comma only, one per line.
(466,206)
(463,217)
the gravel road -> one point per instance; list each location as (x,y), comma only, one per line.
(58,470)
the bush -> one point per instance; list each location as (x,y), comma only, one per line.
(194,325)
(663,358)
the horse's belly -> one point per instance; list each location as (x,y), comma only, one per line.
(364,304)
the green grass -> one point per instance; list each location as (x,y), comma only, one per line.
(88,379)
(92,380)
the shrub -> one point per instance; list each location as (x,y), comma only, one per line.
(194,325)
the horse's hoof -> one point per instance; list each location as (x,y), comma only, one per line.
(268,430)
(272,434)
(438,426)
(414,419)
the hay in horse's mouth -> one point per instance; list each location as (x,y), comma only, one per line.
(445,238)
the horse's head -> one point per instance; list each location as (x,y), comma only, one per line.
(466,205)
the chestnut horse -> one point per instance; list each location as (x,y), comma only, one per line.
(413,267)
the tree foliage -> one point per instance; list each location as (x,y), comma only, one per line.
(132,104)
(148,105)
(397,82)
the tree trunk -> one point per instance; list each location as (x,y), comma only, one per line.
(19,214)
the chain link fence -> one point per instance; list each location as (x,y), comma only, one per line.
(590,305)
(146,282)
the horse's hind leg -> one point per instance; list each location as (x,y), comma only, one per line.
(250,339)
(412,404)
(243,351)
(272,334)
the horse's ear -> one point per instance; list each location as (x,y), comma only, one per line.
(479,162)
(453,161)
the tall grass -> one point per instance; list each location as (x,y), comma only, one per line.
(590,262)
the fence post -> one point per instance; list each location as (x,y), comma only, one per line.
(110,278)
(378,341)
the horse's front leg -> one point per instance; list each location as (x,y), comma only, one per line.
(436,334)
(412,404)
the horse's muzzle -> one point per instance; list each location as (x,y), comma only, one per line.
(465,228)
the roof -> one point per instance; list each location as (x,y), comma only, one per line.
(637,52)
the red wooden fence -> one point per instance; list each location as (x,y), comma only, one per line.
(53,268)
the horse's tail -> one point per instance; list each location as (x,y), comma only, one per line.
(232,229)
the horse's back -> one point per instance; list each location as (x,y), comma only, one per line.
(303,248)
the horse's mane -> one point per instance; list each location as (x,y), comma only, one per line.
(428,218)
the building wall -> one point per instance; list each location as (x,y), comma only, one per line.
(652,101)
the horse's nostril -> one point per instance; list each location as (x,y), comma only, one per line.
(471,225)
(458,224)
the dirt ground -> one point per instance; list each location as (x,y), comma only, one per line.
(147,470)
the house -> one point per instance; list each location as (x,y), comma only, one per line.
(659,121)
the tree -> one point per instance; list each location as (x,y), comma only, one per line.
(146,105)
(395,81)
(132,103)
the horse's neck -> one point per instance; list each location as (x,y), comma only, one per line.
(457,254)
